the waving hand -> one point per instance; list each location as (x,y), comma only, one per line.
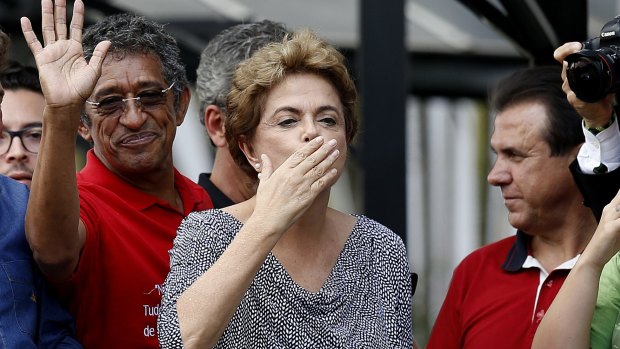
(66,78)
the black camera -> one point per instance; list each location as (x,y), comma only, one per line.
(594,72)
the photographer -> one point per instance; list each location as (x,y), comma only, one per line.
(591,81)
(585,312)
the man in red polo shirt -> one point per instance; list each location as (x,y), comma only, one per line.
(103,235)
(500,292)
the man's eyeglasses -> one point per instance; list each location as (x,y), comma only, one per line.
(114,106)
(30,137)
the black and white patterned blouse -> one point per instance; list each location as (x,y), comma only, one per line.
(365,302)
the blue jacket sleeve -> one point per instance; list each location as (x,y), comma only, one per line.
(56,325)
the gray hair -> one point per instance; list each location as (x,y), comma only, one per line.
(132,34)
(224,52)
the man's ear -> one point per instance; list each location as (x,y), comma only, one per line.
(183,105)
(84,131)
(248,151)
(214,125)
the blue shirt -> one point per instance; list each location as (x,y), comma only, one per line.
(30,317)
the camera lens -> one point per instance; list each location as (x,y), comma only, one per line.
(588,76)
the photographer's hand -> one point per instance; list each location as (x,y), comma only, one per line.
(595,114)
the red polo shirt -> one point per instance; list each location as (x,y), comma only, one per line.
(116,290)
(497,298)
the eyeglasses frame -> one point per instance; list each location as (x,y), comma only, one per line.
(125,100)
(19,134)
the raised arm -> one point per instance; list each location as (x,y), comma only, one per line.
(205,308)
(597,183)
(53,227)
(567,322)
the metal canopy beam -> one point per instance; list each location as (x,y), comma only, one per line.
(536,26)
(382,70)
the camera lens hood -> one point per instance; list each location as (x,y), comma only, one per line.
(589,75)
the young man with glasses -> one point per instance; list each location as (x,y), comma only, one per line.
(103,235)
(22,110)
(30,316)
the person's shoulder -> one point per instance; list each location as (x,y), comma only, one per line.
(213,227)
(210,216)
(13,203)
(372,230)
(372,226)
(208,222)
(12,187)
(13,194)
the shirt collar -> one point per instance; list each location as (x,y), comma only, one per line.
(519,256)
(220,200)
(518,253)
(97,173)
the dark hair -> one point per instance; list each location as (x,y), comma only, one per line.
(5,43)
(15,76)
(222,55)
(543,84)
(301,52)
(132,34)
